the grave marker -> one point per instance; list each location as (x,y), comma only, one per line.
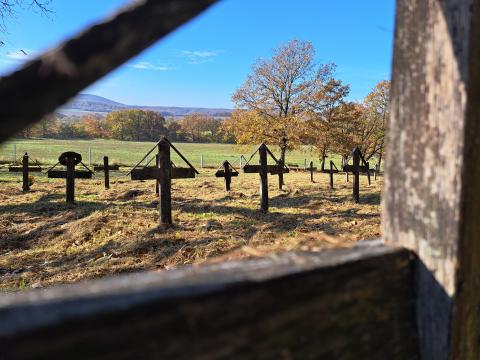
(106,168)
(228,172)
(332,170)
(356,169)
(311,171)
(70,159)
(25,169)
(264,169)
(164,172)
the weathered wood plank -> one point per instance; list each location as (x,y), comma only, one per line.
(350,168)
(165,176)
(62,174)
(51,80)
(263,171)
(20,169)
(432,173)
(272,169)
(221,173)
(342,304)
(102,167)
(152,173)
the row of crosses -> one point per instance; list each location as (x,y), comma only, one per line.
(165,171)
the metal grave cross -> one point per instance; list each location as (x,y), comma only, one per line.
(25,169)
(164,173)
(356,169)
(70,159)
(264,169)
(228,172)
(106,168)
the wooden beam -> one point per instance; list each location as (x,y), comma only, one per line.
(25,185)
(356,175)
(20,169)
(102,167)
(165,182)
(272,169)
(52,79)
(263,171)
(151,173)
(106,170)
(221,173)
(331,171)
(432,173)
(350,168)
(62,174)
(340,304)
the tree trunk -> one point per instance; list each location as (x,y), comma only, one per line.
(380,157)
(323,157)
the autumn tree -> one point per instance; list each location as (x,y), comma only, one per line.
(96,127)
(377,113)
(200,127)
(272,98)
(347,129)
(362,124)
(325,102)
(138,125)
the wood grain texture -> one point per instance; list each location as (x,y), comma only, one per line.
(430,200)
(342,304)
(52,79)
(466,324)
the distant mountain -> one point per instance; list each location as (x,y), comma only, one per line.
(84,104)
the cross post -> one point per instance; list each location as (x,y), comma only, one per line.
(356,174)
(263,178)
(70,180)
(26,185)
(106,172)
(311,171)
(331,174)
(165,182)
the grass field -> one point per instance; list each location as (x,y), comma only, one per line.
(43,241)
(127,153)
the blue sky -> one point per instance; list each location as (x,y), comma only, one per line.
(202,63)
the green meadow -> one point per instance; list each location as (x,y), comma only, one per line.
(128,153)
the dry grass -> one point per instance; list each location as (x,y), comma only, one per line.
(43,241)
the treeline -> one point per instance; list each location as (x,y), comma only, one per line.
(130,125)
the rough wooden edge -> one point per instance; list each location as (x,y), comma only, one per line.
(56,76)
(241,286)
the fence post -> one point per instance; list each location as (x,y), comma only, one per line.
(241,162)
(14,153)
(201,161)
(89,156)
(304,164)
(157,183)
